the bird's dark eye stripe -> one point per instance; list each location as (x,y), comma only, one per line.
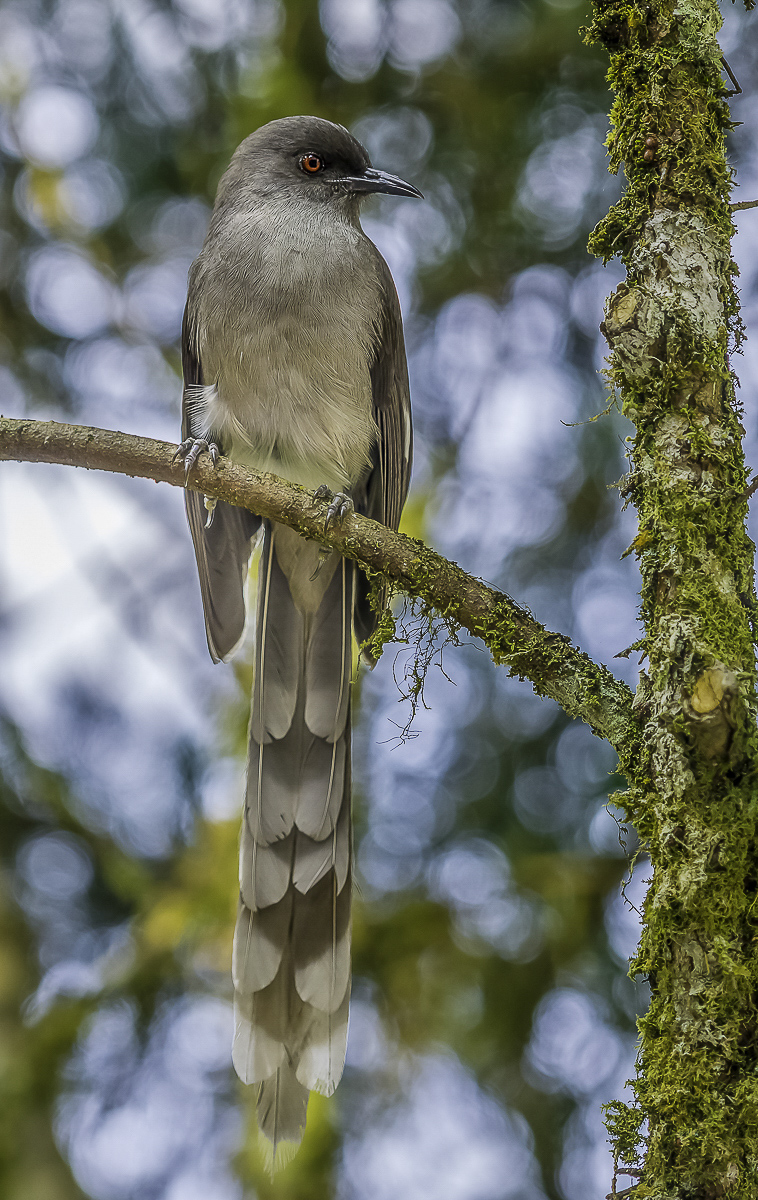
(311,163)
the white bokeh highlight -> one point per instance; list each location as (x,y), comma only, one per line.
(55,125)
(67,293)
(448,1139)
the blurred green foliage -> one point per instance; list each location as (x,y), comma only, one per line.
(487,102)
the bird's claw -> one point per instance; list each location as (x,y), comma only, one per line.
(324,553)
(340,504)
(191,449)
(210,503)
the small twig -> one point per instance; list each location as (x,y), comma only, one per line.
(620,1195)
(638,645)
(743,204)
(737,89)
(751,490)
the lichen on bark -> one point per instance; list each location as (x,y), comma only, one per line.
(692,1127)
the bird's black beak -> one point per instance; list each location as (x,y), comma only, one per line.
(380,181)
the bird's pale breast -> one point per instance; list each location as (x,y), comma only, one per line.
(285,332)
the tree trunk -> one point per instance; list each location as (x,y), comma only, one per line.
(692,1128)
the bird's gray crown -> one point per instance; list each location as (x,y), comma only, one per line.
(293,136)
(273,154)
(306,156)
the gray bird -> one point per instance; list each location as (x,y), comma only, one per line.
(294,362)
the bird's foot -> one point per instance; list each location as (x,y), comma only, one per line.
(340,504)
(191,449)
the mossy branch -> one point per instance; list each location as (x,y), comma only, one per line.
(556,668)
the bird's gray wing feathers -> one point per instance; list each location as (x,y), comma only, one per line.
(387,485)
(291,959)
(223,550)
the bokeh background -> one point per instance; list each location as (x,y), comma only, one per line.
(492,1013)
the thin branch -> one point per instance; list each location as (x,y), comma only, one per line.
(556,668)
(751,489)
(741,205)
(737,89)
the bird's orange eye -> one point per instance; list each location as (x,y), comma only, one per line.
(312,163)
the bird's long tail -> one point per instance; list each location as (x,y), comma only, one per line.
(291,958)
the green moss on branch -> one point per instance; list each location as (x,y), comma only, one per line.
(556,668)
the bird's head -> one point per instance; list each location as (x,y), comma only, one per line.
(311,158)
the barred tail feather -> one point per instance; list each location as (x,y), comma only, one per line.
(291,959)
(282,1103)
